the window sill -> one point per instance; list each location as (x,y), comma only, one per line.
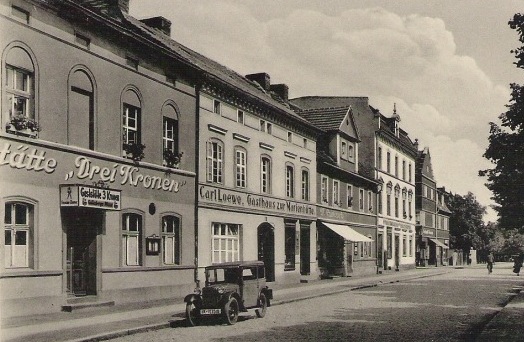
(22,132)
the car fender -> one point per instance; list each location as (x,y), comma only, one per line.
(269,295)
(193,298)
(225,298)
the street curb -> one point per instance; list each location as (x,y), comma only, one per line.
(164,325)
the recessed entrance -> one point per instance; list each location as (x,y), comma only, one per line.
(82,227)
(266,249)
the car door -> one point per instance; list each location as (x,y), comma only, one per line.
(250,288)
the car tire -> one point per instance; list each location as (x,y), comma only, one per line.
(231,311)
(261,311)
(192,315)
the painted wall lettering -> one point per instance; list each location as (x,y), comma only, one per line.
(24,158)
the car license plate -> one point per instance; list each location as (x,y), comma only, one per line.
(210,311)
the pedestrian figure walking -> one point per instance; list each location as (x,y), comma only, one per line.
(490,262)
(517,263)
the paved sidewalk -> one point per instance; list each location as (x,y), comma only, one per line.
(105,323)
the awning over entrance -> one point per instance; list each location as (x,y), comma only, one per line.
(439,244)
(347,232)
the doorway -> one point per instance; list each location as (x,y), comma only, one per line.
(82,227)
(305,249)
(266,249)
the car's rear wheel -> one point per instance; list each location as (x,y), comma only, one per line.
(231,311)
(261,311)
(192,315)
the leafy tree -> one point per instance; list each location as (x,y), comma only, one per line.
(465,223)
(506,148)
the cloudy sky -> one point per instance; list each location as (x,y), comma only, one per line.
(446,64)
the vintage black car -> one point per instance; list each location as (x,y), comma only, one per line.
(230,288)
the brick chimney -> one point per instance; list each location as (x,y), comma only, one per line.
(159,23)
(282,90)
(261,78)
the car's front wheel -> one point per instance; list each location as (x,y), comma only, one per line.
(262,308)
(231,311)
(192,314)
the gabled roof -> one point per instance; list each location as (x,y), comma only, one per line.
(330,119)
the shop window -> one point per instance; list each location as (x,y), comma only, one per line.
(290,181)
(305,185)
(226,242)
(265,175)
(240,167)
(131,239)
(171,240)
(215,161)
(18,234)
(81,114)
(290,237)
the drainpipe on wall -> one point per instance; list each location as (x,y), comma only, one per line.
(197,168)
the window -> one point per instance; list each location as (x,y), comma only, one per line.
(351,152)
(265,126)
(305,185)
(370,202)
(324,189)
(290,181)
(343,150)
(388,204)
(397,195)
(226,242)
(131,125)
(388,162)
(396,166)
(405,246)
(215,161)
(240,167)
(170,135)
(403,170)
(82,40)
(290,238)
(18,232)
(132,239)
(349,196)
(410,246)
(336,193)
(20,92)
(81,116)
(289,137)
(409,172)
(216,106)
(240,117)
(379,158)
(265,175)
(404,212)
(409,210)
(171,240)
(379,200)
(304,142)
(361,199)
(132,62)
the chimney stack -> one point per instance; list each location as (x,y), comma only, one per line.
(282,90)
(261,78)
(159,23)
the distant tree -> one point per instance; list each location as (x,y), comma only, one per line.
(465,222)
(506,150)
(513,242)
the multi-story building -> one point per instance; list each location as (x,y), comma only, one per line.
(256,177)
(395,169)
(432,215)
(346,200)
(97,203)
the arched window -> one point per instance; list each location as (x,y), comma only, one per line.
(19,234)
(171,240)
(240,167)
(132,235)
(215,161)
(131,121)
(81,114)
(265,174)
(170,130)
(20,83)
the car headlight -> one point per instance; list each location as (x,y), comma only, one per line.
(221,290)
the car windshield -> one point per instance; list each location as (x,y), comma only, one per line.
(222,275)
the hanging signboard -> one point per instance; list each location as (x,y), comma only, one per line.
(86,196)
